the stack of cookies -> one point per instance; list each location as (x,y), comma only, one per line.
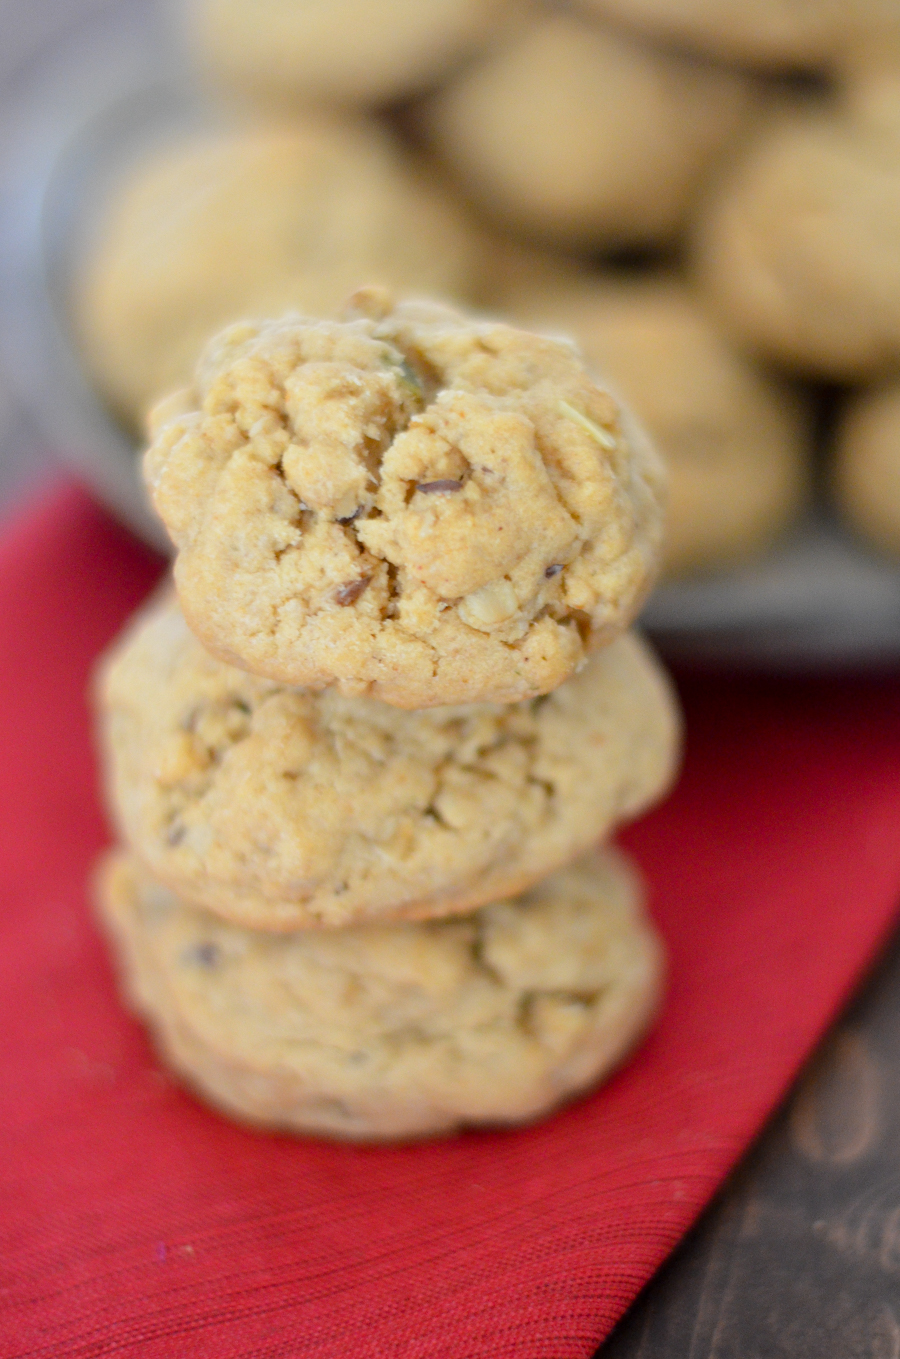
(361,760)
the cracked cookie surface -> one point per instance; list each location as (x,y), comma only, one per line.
(408,504)
(393,1030)
(282,808)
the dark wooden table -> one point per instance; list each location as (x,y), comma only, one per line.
(799,1257)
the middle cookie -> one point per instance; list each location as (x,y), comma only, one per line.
(279,808)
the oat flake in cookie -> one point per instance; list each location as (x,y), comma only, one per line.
(407,503)
(393,1030)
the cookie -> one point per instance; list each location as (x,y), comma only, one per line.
(778,34)
(282,809)
(393,1031)
(254,222)
(797,246)
(574,134)
(866,473)
(735,440)
(338,51)
(409,504)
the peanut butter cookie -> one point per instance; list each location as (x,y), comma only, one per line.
(409,504)
(797,246)
(280,808)
(767,33)
(391,1031)
(735,440)
(255,222)
(866,474)
(338,51)
(576,135)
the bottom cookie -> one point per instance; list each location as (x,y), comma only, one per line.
(393,1031)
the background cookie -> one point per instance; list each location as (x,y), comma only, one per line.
(254,223)
(394,1031)
(344,51)
(734,439)
(575,134)
(797,246)
(282,809)
(866,474)
(765,32)
(412,504)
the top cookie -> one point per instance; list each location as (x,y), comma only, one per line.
(408,504)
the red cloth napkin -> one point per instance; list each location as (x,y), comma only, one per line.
(135,1222)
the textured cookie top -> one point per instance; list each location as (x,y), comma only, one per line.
(734,439)
(797,247)
(213,228)
(399,1030)
(409,504)
(281,808)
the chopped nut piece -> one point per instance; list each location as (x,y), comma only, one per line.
(350,593)
(446,484)
(490,605)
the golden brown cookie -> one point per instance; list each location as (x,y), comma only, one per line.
(797,246)
(338,51)
(575,134)
(253,223)
(410,504)
(282,809)
(776,33)
(866,474)
(390,1031)
(734,439)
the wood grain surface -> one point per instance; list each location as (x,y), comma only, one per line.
(799,1257)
